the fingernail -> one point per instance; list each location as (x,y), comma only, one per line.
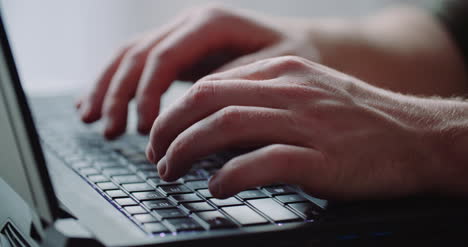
(162,167)
(150,153)
(214,186)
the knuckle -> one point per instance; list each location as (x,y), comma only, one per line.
(214,10)
(276,150)
(200,93)
(287,63)
(214,14)
(229,118)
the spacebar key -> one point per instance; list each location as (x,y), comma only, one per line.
(245,215)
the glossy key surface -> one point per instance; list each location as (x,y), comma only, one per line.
(245,215)
(274,210)
(216,220)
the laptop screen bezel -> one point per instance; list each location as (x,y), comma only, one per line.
(30,129)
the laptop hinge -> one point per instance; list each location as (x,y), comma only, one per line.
(19,224)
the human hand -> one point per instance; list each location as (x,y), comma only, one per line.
(189,47)
(333,135)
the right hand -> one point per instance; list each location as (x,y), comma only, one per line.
(194,44)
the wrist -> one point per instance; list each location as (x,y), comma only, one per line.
(451,136)
(441,126)
(436,139)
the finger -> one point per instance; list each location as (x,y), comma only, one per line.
(276,163)
(91,108)
(125,80)
(171,57)
(121,91)
(231,127)
(204,99)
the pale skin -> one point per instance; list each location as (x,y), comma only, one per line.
(325,104)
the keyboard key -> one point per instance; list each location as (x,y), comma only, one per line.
(89,171)
(116,194)
(278,190)
(145,196)
(251,194)
(135,210)
(274,210)
(127,179)
(107,186)
(192,197)
(144,166)
(231,201)
(98,178)
(125,151)
(157,181)
(245,215)
(145,218)
(149,174)
(158,204)
(137,158)
(306,209)
(185,224)
(155,228)
(291,198)
(195,185)
(125,202)
(138,187)
(195,175)
(216,220)
(110,172)
(106,164)
(174,189)
(205,193)
(169,213)
(198,206)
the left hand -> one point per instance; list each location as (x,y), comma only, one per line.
(335,136)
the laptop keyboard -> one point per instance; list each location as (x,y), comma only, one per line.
(120,172)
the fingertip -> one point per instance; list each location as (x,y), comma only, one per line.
(88,114)
(162,168)
(146,116)
(214,186)
(150,153)
(112,128)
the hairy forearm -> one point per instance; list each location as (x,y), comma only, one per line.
(441,161)
(451,135)
(402,49)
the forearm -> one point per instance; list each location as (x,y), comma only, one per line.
(451,135)
(441,128)
(404,49)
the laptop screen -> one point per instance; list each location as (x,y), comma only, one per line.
(22,164)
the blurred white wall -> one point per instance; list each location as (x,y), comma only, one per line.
(63,44)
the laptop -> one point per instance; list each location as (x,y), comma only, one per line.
(62,184)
